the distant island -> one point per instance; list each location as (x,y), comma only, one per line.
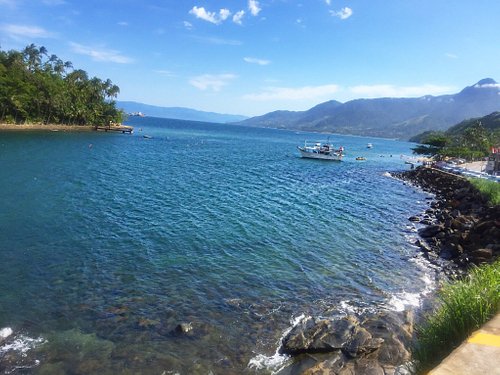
(38,88)
(178,113)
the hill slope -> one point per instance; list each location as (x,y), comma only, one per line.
(179,113)
(389,117)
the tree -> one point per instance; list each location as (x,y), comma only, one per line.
(38,87)
(432,145)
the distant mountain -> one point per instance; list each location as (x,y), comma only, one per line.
(399,118)
(178,113)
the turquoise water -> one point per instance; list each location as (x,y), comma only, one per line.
(108,242)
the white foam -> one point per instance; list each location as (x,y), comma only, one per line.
(399,301)
(5,332)
(276,362)
(22,344)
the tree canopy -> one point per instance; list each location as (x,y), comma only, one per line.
(36,87)
(470,142)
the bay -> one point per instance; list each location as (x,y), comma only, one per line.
(192,250)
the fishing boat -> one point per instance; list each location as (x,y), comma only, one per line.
(369,145)
(320,150)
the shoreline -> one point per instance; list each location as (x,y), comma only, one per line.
(459,229)
(44,128)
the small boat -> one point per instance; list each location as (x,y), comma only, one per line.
(360,158)
(369,145)
(321,150)
(147,136)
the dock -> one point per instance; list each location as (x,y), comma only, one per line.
(115,128)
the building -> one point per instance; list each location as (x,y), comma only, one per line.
(493,164)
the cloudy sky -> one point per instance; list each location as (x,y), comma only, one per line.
(251,57)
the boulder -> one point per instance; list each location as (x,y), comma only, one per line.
(430,231)
(314,335)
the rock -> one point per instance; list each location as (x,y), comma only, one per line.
(482,253)
(368,367)
(415,219)
(318,335)
(183,329)
(430,231)
(361,343)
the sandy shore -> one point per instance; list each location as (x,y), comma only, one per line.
(476,166)
(42,127)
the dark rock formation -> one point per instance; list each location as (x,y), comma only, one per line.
(461,226)
(364,344)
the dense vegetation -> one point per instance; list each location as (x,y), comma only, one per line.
(471,139)
(38,88)
(465,306)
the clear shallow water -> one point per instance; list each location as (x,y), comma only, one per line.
(109,241)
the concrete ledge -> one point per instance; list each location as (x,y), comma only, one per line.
(480,354)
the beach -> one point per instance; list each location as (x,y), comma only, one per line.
(45,127)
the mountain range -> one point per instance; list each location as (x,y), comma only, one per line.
(179,113)
(399,118)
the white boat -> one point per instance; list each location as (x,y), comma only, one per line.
(321,150)
(369,145)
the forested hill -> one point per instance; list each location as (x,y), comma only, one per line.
(36,87)
(399,118)
(490,123)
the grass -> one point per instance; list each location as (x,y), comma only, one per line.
(490,188)
(465,305)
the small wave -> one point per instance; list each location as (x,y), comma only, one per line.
(18,345)
(276,362)
(21,344)
(5,332)
(400,301)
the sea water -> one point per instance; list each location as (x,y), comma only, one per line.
(193,249)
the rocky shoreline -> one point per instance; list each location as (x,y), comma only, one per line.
(458,229)
(460,226)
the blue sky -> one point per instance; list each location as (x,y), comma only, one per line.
(251,57)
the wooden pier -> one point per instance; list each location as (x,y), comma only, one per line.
(115,128)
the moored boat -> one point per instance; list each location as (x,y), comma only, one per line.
(320,150)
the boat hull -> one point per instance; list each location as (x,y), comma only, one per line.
(322,156)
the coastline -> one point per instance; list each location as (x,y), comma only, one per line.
(459,229)
(44,127)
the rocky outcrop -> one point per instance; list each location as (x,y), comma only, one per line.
(364,344)
(460,225)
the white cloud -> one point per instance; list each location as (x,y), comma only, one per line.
(488,86)
(254,7)
(238,17)
(188,25)
(25,31)
(122,23)
(378,91)
(328,2)
(451,55)
(253,60)
(212,17)
(213,82)
(343,14)
(290,93)
(105,55)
